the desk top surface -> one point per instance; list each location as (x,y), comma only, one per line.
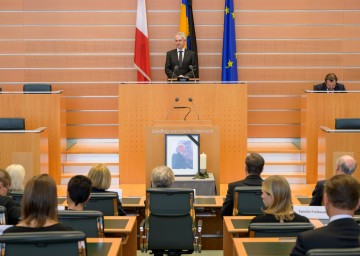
(119,224)
(263,246)
(103,246)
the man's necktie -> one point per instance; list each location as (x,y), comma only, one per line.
(180,58)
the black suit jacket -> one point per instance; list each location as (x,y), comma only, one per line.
(317,194)
(172,61)
(341,233)
(322,87)
(228,205)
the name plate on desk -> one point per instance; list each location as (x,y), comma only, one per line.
(311,212)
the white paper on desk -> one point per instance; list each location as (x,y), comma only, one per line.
(61,207)
(311,212)
(118,190)
(3,227)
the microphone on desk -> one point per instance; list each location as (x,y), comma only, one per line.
(192,102)
(172,107)
(193,71)
(175,68)
(181,107)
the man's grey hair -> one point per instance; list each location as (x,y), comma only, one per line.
(182,34)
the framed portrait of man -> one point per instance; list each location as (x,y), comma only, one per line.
(182,153)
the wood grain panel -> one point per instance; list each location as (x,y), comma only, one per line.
(274,103)
(93,103)
(289,5)
(80,61)
(11,46)
(352,74)
(279,88)
(276,131)
(99,117)
(12,5)
(11,61)
(351,45)
(274,117)
(96,132)
(80,46)
(11,32)
(84,89)
(11,18)
(11,75)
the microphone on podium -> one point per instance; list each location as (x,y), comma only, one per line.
(192,102)
(175,68)
(172,107)
(193,71)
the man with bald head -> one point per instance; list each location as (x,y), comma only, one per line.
(345,165)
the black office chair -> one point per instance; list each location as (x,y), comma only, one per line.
(248,201)
(334,252)
(12,123)
(56,243)
(287,229)
(89,222)
(103,202)
(37,88)
(169,226)
(17,196)
(3,220)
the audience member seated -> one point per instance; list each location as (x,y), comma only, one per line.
(17,175)
(276,195)
(330,84)
(78,192)
(39,207)
(254,165)
(162,177)
(344,165)
(100,177)
(341,199)
(13,211)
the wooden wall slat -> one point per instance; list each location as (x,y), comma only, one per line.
(278,131)
(12,5)
(98,132)
(11,61)
(91,117)
(86,89)
(273,117)
(274,103)
(91,103)
(11,47)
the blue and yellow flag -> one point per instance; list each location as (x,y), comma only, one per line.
(229,70)
(187,26)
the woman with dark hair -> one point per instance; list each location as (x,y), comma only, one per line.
(39,207)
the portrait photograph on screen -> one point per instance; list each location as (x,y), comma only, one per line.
(182,153)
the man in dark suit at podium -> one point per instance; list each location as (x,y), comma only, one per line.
(330,84)
(180,62)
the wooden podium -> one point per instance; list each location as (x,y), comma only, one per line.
(333,144)
(26,147)
(225,105)
(209,143)
(321,109)
(41,110)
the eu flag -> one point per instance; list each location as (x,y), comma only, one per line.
(229,62)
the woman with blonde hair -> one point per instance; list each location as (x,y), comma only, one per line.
(17,175)
(276,195)
(100,177)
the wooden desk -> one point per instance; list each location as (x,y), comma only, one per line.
(237,226)
(41,110)
(126,227)
(263,246)
(103,246)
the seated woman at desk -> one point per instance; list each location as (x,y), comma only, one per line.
(100,177)
(39,207)
(276,195)
(162,177)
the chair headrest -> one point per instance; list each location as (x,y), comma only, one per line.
(12,123)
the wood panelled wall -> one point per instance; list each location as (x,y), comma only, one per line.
(86,48)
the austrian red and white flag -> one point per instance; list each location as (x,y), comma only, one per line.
(142,55)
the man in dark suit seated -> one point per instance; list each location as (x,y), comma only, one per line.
(341,199)
(180,61)
(345,165)
(330,84)
(254,165)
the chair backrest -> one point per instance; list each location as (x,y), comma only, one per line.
(171,217)
(89,222)
(334,252)
(347,123)
(104,202)
(288,229)
(2,215)
(248,201)
(17,196)
(9,123)
(37,88)
(56,243)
